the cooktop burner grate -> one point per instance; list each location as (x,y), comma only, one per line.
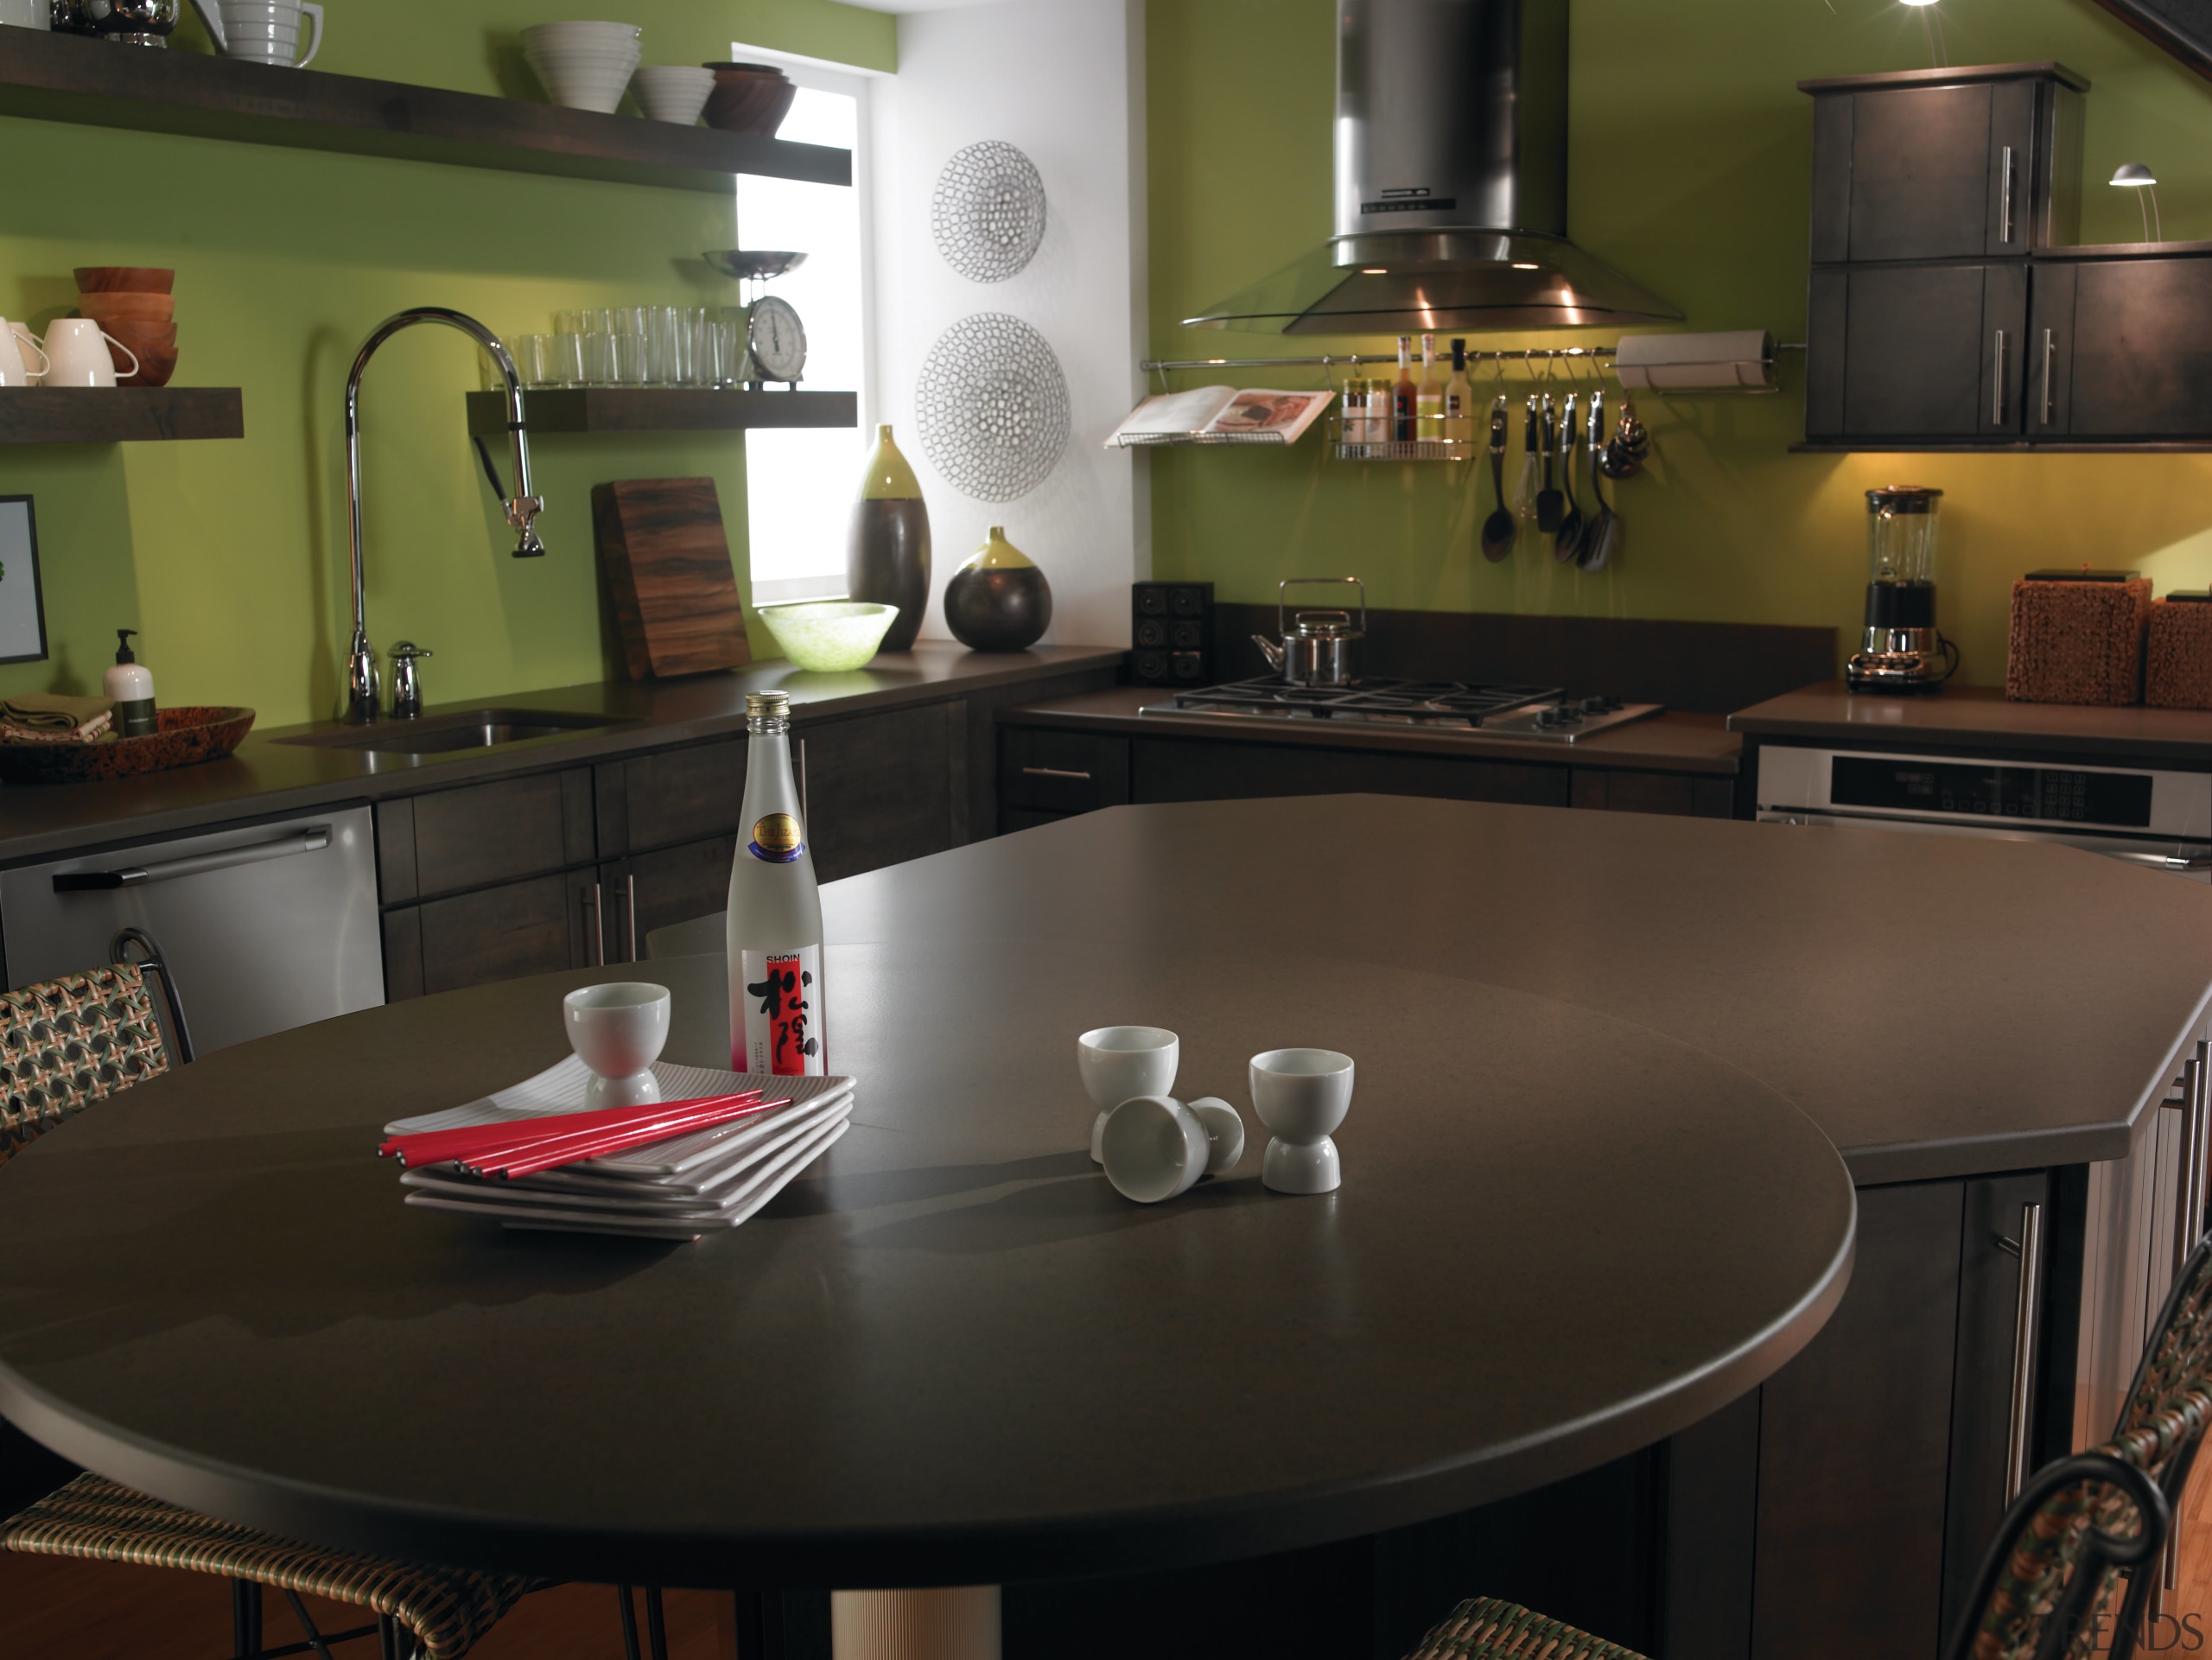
(1539,712)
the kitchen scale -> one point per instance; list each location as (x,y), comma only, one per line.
(775,339)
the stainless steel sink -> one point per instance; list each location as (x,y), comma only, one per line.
(475,729)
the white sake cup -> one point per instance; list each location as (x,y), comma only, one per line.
(15,367)
(619,1031)
(1153,1148)
(77,354)
(1119,1062)
(1301,1095)
(1224,1131)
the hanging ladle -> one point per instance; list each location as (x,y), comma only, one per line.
(1501,527)
(1569,535)
(1604,530)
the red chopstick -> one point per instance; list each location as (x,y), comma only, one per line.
(487,1155)
(417,1145)
(531,1161)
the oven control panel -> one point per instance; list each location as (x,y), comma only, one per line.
(1960,790)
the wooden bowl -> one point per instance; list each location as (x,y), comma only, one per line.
(187,735)
(751,98)
(106,306)
(124,279)
(155,347)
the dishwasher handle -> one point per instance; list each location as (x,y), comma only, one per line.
(101,881)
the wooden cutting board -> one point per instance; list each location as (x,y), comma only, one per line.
(668,563)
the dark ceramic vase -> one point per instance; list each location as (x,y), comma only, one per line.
(887,558)
(999,601)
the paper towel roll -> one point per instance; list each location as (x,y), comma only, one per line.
(955,1623)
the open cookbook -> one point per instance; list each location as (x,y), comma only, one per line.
(1220,415)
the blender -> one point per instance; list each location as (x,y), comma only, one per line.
(1902,651)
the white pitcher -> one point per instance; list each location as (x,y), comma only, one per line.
(14,367)
(263,31)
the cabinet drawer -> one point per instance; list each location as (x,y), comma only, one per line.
(1681,793)
(487,833)
(496,933)
(1042,771)
(1177,770)
(671,797)
(881,787)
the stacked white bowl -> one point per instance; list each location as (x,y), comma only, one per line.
(673,92)
(584,65)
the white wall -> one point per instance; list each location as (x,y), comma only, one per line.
(1063,80)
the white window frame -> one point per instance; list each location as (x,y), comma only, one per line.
(859,84)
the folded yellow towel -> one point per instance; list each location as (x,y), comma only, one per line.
(48,717)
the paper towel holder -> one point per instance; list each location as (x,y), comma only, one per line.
(1739,360)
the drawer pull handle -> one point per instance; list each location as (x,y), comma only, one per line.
(2026,1334)
(1997,402)
(2050,351)
(1054,772)
(97,881)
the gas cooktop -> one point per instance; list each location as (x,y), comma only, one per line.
(1542,714)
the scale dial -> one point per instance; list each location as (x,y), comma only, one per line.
(776,339)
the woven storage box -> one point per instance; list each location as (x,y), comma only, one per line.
(2077,642)
(2178,667)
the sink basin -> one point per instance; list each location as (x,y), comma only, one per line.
(475,729)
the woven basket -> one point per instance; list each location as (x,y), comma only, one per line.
(2077,642)
(2177,671)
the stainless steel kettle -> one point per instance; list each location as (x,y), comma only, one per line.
(1315,648)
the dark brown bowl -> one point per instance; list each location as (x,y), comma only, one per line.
(124,279)
(752,98)
(187,734)
(155,347)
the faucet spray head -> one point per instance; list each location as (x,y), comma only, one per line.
(521,515)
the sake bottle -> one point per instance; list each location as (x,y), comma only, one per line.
(774,929)
(888,553)
(1429,400)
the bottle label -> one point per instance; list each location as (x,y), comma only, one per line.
(776,840)
(1453,408)
(783,1015)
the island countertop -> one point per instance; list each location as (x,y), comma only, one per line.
(1940,1007)
(273,773)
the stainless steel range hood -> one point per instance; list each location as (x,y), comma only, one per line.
(1450,164)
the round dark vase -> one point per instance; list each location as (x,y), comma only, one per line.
(998,602)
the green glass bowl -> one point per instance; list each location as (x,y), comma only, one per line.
(829,635)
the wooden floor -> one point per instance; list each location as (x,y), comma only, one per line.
(77,1610)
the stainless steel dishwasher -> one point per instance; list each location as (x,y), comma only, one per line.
(267,926)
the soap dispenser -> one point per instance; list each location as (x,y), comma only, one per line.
(131,684)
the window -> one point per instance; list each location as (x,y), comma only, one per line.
(799,485)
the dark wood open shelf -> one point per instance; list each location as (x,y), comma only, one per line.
(2054,447)
(111,414)
(73,78)
(657,408)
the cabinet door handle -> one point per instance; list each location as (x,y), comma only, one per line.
(2189,1206)
(630,907)
(2005,212)
(2050,351)
(598,929)
(2027,1333)
(95,881)
(1053,772)
(1996,400)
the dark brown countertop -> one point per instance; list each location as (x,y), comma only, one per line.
(2036,1019)
(1982,717)
(268,776)
(1666,744)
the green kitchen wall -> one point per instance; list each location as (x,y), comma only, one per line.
(1690,157)
(229,557)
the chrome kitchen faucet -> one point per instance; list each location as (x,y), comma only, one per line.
(362,704)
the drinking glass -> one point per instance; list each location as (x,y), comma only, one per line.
(563,362)
(625,359)
(660,346)
(598,357)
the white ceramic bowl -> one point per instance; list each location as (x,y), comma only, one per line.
(584,72)
(830,636)
(1154,1149)
(1117,1062)
(568,34)
(673,92)
(618,1030)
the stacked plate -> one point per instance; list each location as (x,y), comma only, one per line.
(706,1181)
(584,65)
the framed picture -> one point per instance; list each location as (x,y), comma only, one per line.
(22,604)
(2183,27)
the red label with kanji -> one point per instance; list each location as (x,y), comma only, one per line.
(783,1021)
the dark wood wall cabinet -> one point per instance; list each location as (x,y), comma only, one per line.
(1948,307)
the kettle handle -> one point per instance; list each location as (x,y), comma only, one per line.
(1282,618)
(211,16)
